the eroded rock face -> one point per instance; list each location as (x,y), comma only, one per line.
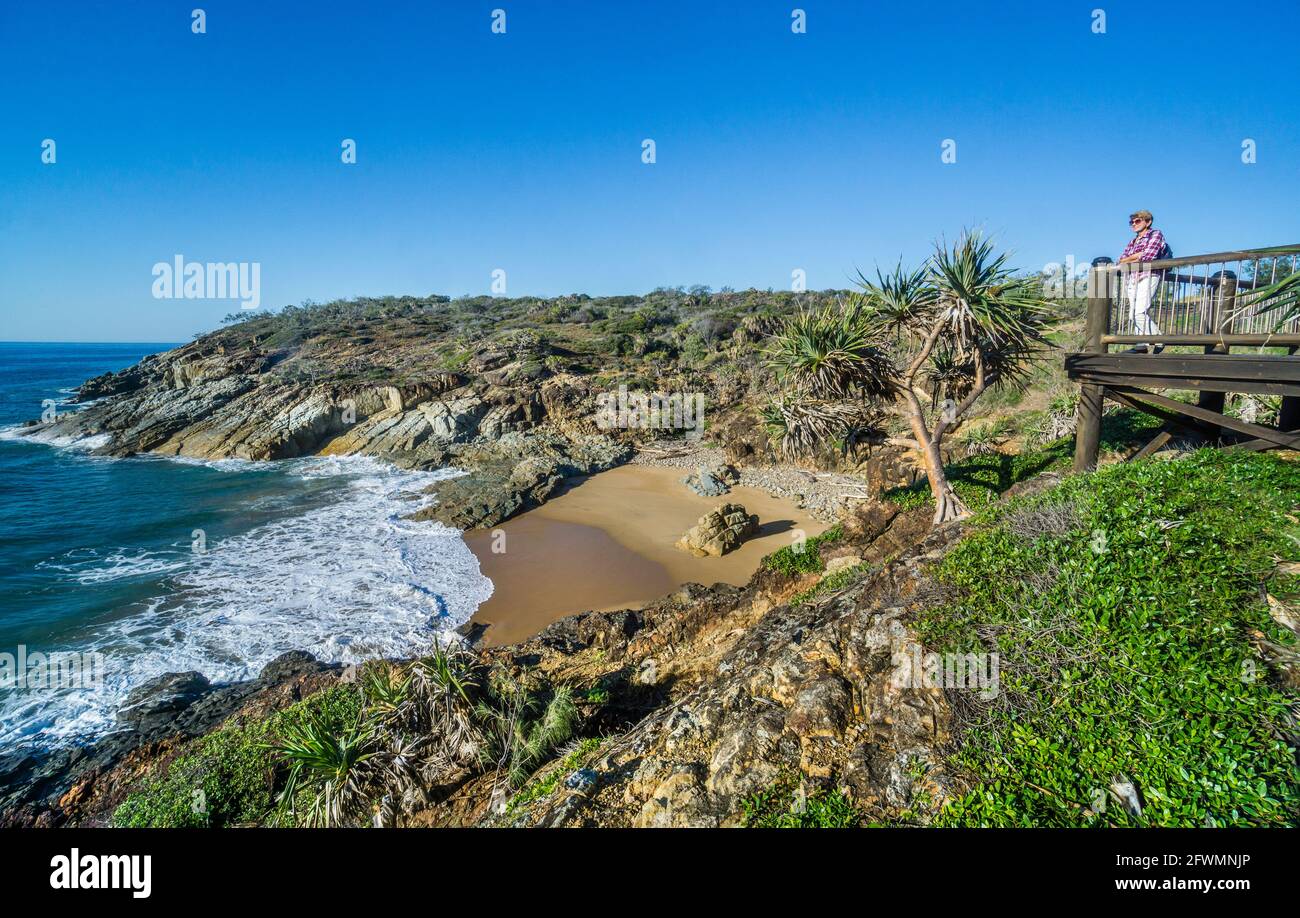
(743,689)
(719,531)
(514,473)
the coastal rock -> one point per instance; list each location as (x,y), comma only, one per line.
(756,690)
(513,473)
(290,665)
(719,531)
(724,472)
(159,700)
(52,787)
(704,483)
(843,562)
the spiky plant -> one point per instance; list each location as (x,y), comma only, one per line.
(331,767)
(385,688)
(830,353)
(1280,300)
(525,728)
(985,438)
(444,686)
(924,344)
(798,426)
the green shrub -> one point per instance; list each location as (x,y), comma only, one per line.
(779,807)
(581,753)
(1125,650)
(835,581)
(228,777)
(802,557)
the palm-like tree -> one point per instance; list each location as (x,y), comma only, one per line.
(924,344)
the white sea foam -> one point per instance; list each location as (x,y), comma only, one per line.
(49,438)
(347,581)
(90,567)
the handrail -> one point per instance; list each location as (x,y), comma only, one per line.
(1241,255)
(1152,303)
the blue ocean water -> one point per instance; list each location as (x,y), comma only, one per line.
(166,565)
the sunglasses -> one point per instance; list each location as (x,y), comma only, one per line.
(1135,222)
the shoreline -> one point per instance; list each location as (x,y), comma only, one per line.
(607,541)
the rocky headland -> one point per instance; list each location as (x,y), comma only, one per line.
(775,702)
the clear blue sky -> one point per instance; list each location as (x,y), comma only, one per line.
(522,151)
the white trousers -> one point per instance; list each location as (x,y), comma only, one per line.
(1141,290)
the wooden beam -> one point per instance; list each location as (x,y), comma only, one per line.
(1254,445)
(1281,438)
(1168,417)
(1258,373)
(1157,441)
(1275,367)
(1182,382)
(1087,428)
(1211,259)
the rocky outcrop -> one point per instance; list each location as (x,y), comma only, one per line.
(50,788)
(708,482)
(719,531)
(514,473)
(709,696)
(518,429)
(739,690)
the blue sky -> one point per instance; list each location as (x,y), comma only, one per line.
(522,151)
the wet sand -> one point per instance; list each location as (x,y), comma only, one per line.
(607,542)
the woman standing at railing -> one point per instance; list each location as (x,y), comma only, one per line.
(1147,244)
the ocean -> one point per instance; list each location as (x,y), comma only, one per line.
(164,565)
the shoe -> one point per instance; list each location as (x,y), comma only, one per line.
(1158,349)
(1140,349)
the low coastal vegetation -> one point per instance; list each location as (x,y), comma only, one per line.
(360,752)
(1131,613)
(228,778)
(1145,680)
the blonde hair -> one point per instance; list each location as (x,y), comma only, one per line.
(1142,215)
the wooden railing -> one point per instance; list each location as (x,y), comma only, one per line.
(1214,302)
(1200,300)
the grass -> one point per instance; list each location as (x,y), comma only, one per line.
(1124,636)
(830,584)
(779,807)
(545,786)
(980,480)
(802,558)
(227,778)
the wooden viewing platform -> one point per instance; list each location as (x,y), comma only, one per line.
(1212,302)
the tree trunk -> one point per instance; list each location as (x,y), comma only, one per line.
(947,505)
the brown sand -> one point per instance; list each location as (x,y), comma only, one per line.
(607,542)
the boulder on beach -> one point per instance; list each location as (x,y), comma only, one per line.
(705,484)
(719,531)
(712,480)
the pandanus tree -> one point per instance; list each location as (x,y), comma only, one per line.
(921,344)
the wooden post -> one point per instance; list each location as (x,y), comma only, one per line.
(1227,301)
(1288,418)
(1087,432)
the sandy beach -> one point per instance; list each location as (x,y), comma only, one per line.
(607,542)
